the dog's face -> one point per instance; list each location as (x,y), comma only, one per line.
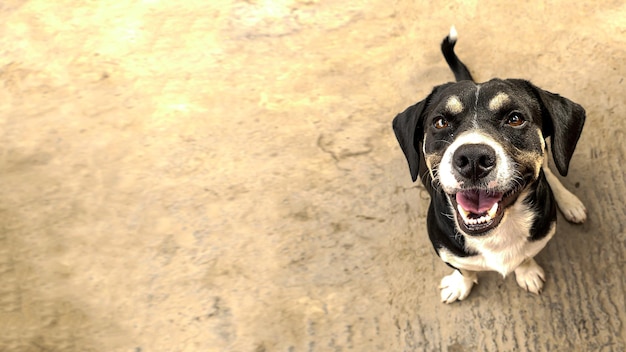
(484,144)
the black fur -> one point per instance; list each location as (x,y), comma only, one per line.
(541,201)
(409,130)
(461,73)
(442,230)
(558,118)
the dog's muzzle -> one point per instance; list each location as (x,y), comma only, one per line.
(479,208)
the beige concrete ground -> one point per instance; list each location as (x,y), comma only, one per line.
(222,176)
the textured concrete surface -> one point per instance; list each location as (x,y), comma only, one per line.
(222,176)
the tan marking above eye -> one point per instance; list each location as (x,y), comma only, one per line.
(497,102)
(454,105)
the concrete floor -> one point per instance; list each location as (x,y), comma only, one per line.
(222,176)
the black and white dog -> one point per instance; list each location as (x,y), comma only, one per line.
(481,152)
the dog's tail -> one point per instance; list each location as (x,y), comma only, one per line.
(461,73)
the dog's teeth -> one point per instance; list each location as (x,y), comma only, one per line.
(492,212)
(464,213)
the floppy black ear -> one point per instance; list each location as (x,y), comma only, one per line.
(563,120)
(408,127)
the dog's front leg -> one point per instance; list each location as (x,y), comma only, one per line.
(530,276)
(572,208)
(457,286)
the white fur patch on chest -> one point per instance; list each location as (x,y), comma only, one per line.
(504,249)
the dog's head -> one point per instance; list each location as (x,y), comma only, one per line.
(483,144)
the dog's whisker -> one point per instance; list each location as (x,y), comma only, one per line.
(449,216)
(443,141)
(434,178)
(434,182)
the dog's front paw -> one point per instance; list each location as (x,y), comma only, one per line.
(530,276)
(572,208)
(457,286)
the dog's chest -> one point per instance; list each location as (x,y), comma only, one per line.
(505,249)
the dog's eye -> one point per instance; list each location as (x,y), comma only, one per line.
(440,123)
(515,120)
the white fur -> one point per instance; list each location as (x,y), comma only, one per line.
(572,208)
(504,173)
(475,119)
(457,286)
(530,276)
(453,34)
(506,247)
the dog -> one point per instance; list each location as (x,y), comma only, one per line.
(481,151)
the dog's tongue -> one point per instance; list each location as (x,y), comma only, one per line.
(477,201)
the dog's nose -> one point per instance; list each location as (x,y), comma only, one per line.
(474,161)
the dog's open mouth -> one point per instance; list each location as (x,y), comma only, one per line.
(480,210)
